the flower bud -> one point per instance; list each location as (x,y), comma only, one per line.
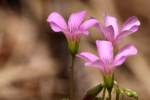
(131,93)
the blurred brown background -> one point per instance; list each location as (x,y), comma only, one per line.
(34,60)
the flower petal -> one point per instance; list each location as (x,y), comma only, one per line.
(107,32)
(57,22)
(130,23)
(126,33)
(129,27)
(126,51)
(91,59)
(95,64)
(88,56)
(83,29)
(75,20)
(89,23)
(112,21)
(105,50)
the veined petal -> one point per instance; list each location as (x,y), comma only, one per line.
(112,21)
(83,29)
(91,60)
(127,32)
(88,56)
(126,51)
(75,20)
(88,23)
(107,32)
(130,23)
(95,64)
(105,51)
(57,22)
(130,26)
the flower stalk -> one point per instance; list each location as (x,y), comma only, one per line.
(117,91)
(72,78)
(73,47)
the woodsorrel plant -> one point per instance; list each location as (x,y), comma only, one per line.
(108,57)
(73,30)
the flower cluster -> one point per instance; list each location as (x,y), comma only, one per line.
(107,58)
(113,33)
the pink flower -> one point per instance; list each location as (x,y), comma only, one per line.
(114,32)
(75,26)
(106,61)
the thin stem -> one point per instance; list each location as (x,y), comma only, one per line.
(72,78)
(103,97)
(109,93)
(117,90)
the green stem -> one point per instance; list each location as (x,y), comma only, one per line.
(72,78)
(103,97)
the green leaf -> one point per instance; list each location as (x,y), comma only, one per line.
(93,92)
